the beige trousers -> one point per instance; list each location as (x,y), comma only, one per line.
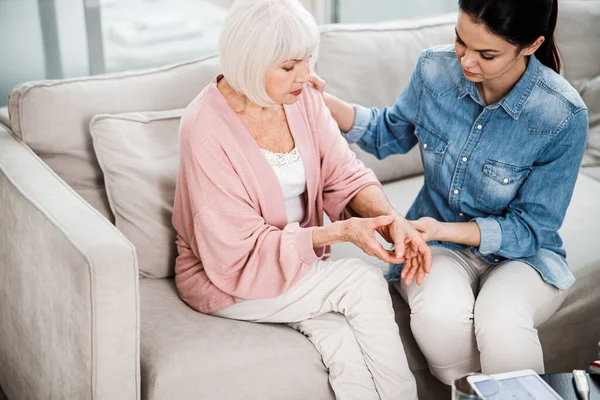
(470,316)
(344,308)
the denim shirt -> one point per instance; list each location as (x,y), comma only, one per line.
(510,166)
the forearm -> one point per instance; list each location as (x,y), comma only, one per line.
(329,234)
(466,233)
(372,202)
(342,112)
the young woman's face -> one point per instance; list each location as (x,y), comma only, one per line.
(483,55)
(284,82)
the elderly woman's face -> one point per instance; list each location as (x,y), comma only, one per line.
(284,82)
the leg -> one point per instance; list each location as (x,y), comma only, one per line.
(366,303)
(359,291)
(334,339)
(512,303)
(442,313)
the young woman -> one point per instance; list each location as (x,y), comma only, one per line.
(501,135)
(261,160)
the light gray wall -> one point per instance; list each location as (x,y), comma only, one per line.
(21,48)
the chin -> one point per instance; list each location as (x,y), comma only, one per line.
(475,79)
(290,99)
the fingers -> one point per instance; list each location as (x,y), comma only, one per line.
(383,220)
(317,82)
(399,243)
(425,253)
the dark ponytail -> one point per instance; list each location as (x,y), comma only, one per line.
(520,22)
(548,52)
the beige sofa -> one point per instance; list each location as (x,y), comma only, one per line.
(76,322)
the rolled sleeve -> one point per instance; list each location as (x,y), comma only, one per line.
(361,123)
(491,235)
(303,244)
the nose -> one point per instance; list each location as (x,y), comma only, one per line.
(303,72)
(468,60)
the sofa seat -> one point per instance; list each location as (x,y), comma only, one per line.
(188,355)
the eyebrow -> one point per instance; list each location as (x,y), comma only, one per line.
(479,51)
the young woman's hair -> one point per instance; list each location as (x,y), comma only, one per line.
(259,34)
(519,22)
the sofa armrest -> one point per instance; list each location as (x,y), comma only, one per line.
(69,303)
(4,116)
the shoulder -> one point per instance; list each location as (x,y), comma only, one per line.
(553,105)
(202,120)
(311,100)
(438,69)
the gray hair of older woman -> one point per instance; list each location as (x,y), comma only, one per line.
(259,34)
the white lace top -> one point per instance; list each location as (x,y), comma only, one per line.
(289,169)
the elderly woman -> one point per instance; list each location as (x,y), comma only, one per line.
(261,159)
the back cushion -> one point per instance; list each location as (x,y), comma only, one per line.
(371,64)
(577,34)
(139,155)
(53,117)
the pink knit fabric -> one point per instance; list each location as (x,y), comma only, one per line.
(233,239)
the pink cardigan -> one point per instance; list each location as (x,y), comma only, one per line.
(233,238)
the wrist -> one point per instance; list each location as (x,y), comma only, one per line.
(444,232)
(341,230)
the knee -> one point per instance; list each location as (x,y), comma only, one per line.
(370,274)
(441,316)
(499,324)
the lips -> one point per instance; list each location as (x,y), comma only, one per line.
(297,92)
(469,73)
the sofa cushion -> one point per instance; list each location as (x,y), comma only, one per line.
(188,355)
(590,92)
(53,117)
(576,35)
(139,155)
(382,57)
(592,171)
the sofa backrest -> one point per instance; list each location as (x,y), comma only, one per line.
(578,36)
(366,64)
(370,64)
(53,117)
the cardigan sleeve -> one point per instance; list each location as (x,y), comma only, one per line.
(242,255)
(342,173)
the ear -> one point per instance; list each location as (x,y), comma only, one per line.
(532,48)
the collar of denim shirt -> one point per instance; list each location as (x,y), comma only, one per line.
(516,99)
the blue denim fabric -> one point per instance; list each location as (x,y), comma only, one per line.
(510,166)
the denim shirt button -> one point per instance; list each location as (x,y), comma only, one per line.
(425,145)
(456,191)
(465,159)
(496,260)
(461,214)
(479,127)
(505,180)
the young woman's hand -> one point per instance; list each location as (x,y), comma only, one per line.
(318,82)
(361,233)
(429,228)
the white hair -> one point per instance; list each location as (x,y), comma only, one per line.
(259,34)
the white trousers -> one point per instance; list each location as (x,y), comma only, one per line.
(344,308)
(470,316)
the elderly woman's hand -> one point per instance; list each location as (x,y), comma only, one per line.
(361,233)
(410,245)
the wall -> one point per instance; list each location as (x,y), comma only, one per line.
(21,48)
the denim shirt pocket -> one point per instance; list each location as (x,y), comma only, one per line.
(499,185)
(433,148)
